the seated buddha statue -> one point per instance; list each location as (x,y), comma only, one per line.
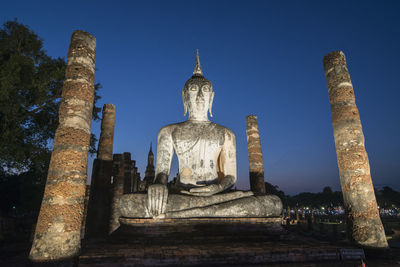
(206,153)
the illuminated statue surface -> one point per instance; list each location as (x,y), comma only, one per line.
(207,167)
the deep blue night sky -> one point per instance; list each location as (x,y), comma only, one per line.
(263,58)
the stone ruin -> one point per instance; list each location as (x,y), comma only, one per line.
(58,230)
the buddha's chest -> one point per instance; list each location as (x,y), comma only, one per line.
(198,142)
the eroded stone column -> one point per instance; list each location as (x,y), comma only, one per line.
(363,221)
(117,190)
(58,229)
(105,149)
(98,214)
(85,211)
(256,167)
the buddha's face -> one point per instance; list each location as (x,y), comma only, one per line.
(198,99)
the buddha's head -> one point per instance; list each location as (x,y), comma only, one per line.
(198,94)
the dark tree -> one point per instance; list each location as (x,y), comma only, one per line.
(30,92)
(387,197)
(326,198)
(327,190)
(274,190)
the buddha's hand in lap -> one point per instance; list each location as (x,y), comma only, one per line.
(157,196)
(207,190)
(212,189)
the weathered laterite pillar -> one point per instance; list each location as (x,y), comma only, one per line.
(58,228)
(117,189)
(256,167)
(98,218)
(363,221)
(105,149)
(85,209)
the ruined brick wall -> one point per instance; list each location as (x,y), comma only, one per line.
(134,180)
(98,213)
(97,224)
(364,224)
(256,167)
(58,229)
(128,183)
(119,172)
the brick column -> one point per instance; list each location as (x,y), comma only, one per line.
(117,191)
(363,221)
(85,212)
(256,167)
(98,218)
(58,229)
(105,149)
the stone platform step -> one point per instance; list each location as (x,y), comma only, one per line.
(204,242)
(197,230)
(197,255)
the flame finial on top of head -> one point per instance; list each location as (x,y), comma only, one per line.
(197,68)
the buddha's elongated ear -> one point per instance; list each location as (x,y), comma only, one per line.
(211,102)
(185,108)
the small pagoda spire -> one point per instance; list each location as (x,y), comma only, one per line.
(151,145)
(197,68)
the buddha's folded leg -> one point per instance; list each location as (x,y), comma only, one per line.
(253,206)
(135,205)
(184,202)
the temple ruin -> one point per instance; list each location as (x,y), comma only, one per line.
(100,187)
(202,193)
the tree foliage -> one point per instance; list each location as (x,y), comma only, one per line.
(387,197)
(30,92)
(326,198)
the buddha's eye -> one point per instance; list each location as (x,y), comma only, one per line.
(206,88)
(193,87)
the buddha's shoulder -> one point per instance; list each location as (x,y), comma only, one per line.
(168,129)
(173,127)
(222,129)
